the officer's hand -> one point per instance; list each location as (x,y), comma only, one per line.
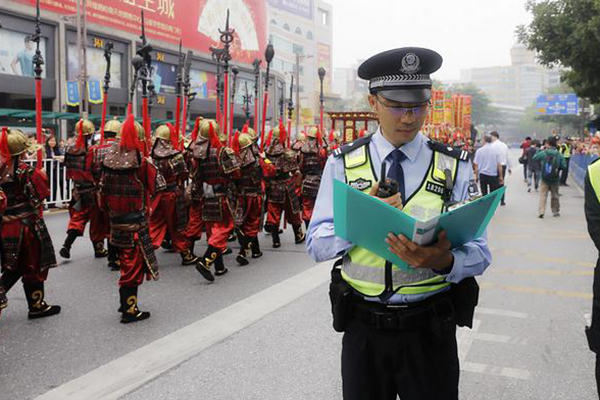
(394,201)
(436,256)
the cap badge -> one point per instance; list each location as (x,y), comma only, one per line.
(410,64)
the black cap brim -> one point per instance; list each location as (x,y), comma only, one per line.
(406,95)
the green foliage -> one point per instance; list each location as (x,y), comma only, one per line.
(483,112)
(566,33)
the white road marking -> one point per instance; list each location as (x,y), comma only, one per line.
(465,338)
(125,374)
(505,372)
(502,313)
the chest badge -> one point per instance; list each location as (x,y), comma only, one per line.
(360,184)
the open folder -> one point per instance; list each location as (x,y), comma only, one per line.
(366,221)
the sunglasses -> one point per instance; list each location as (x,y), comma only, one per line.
(417,111)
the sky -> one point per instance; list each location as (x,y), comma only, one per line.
(467,33)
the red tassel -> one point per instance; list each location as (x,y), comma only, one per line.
(269,138)
(245,128)
(282,132)
(129,136)
(196,129)
(361,133)
(331,137)
(4,149)
(236,142)
(214,138)
(80,141)
(319,138)
(174,138)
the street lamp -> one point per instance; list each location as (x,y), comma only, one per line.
(322,73)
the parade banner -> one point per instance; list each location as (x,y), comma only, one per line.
(448,108)
(94,92)
(466,112)
(196,22)
(438,107)
(73,97)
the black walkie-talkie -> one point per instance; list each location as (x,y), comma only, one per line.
(387,186)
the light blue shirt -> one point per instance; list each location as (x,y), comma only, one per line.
(471,259)
(487,159)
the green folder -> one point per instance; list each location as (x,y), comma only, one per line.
(366,221)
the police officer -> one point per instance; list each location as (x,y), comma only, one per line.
(400,326)
(592,215)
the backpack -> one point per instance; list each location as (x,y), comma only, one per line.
(550,168)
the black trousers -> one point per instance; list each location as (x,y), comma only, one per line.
(488,183)
(419,364)
(565,172)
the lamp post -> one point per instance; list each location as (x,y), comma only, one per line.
(322,73)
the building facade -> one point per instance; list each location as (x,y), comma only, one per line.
(167,23)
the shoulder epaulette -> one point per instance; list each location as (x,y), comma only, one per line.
(347,148)
(454,152)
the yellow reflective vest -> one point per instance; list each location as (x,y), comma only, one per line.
(364,270)
(594,175)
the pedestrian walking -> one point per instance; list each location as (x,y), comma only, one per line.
(534,168)
(552,163)
(487,167)
(393,344)
(524,147)
(502,149)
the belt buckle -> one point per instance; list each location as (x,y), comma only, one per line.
(385,320)
(396,307)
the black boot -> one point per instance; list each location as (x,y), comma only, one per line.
(35,299)
(204,269)
(214,257)
(232,237)
(242,257)
(255,247)
(166,243)
(113,258)
(299,236)
(99,250)
(188,258)
(65,252)
(129,308)
(275,237)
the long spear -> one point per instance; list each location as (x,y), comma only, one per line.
(107,55)
(256,65)
(147,84)
(247,99)
(269,54)
(226,39)
(290,107)
(188,96)
(38,61)
(235,71)
(178,88)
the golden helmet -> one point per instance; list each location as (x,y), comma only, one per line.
(163,132)
(138,128)
(252,133)
(112,126)
(19,143)
(245,140)
(87,128)
(312,132)
(301,136)
(204,128)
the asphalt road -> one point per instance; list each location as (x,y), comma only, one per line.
(263,331)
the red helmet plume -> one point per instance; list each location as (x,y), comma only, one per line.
(129,135)
(174,136)
(331,136)
(235,145)
(269,138)
(80,141)
(214,138)
(4,149)
(245,128)
(282,132)
(319,137)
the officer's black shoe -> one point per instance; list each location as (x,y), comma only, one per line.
(232,237)
(214,257)
(65,252)
(99,250)
(255,247)
(242,257)
(129,307)
(276,240)
(35,300)
(299,236)
(188,258)
(204,271)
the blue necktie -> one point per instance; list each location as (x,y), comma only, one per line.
(396,172)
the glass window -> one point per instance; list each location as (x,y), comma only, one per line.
(273,22)
(286,27)
(96,65)
(324,17)
(298,31)
(309,35)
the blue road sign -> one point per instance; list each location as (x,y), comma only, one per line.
(557,104)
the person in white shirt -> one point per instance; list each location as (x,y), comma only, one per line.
(502,149)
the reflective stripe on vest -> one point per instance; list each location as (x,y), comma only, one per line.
(364,270)
(594,174)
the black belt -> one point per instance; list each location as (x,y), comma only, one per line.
(129,218)
(404,316)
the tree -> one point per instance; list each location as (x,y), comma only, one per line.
(565,33)
(482,111)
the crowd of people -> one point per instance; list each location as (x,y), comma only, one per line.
(140,193)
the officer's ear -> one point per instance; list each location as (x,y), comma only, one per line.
(372,102)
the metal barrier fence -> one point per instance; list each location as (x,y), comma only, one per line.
(578,167)
(60,186)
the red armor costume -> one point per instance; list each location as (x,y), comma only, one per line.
(312,159)
(250,196)
(193,194)
(280,168)
(128,180)
(169,213)
(83,207)
(214,168)
(27,251)
(98,153)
